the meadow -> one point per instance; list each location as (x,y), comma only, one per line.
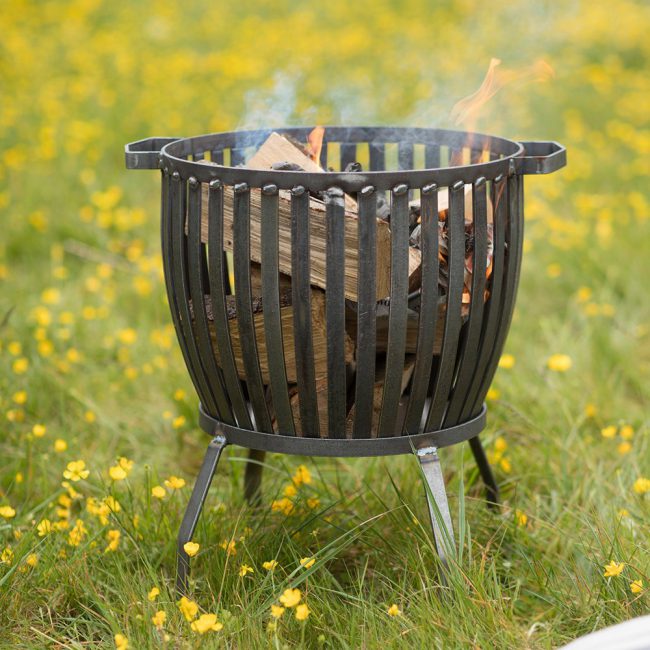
(99,441)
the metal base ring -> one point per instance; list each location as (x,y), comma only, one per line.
(351,447)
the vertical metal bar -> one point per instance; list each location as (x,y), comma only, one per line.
(178,269)
(398,311)
(335,312)
(431,156)
(272,316)
(348,154)
(244,302)
(196,265)
(377,152)
(366,313)
(470,351)
(323,154)
(405,155)
(302,325)
(428,320)
(512,259)
(492,309)
(455,265)
(218,283)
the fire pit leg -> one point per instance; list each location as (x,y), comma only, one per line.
(193,511)
(253,476)
(437,500)
(484,468)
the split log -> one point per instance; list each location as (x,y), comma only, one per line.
(319,334)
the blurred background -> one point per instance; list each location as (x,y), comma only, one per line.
(87,349)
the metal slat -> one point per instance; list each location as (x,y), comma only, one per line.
(323,154)
(348,154)
(431,156)
(181,292)
(218,285)
(512,256)
(302,326)
(492,308)
(405,154)
(272,319)
(335,313)
(453,321)
(398,311)
(244,302)
(428,318)
(377,153)
(470,350)
(196,266)
(366,313)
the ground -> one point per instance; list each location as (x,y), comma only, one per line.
(90,370)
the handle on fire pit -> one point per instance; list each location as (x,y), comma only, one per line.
(145,154)
(541,158)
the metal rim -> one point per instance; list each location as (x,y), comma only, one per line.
(304,446)
(173,159)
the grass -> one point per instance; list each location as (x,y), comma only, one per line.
(88,352)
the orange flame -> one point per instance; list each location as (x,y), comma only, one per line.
(466,110)
(315,143)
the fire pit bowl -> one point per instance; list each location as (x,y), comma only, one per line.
(369,307)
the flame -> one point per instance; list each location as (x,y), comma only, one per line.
(466,110)
(315,143)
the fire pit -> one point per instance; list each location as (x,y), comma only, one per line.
(369,307)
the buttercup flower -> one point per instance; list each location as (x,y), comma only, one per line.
(302,612)
(290,597)
(642,485)
(207,623)
(76,470)
(277,611)
(188,608)
(44,527)
(559,362)
(636,587)
(613,569)
(158,619)
(7,512)
(191,548)
(394,610)
(158,492)
(153,594)
(121,642)
(244,570)
(307,562)
(174,483)
(270,565)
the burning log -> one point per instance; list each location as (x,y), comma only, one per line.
(319,333)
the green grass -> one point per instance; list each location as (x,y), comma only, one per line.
(86,77)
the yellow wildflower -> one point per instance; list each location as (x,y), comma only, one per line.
(117,473)
(608,432)
(394,610)
(77,534)
(624,448)
(590,411)
(313,502)
(626,432)
(507,361)
(521,518)
(493,394)
(153,594)
(20,366)
(7,512)
(229,546)
(277,611)
(290,490)
(179,394)
(121,642)
(60,445)
(613,569)
(302,475)
(7,556)
(125,464)
(175,483)
(178,422)
(38,430)
(14,348)
(283,505)
(636,587)
(191,548)
(270,565)
(244,569)
(19,397)
(76,470)
(188,608)
(307,562)
(44,527)
(290,597)
(90,417)
(127,336)
(559,362)
(206,623)
(302,612)
(642,485)
(158,492)
(158,619)
(31,559)
(113,537)
(506,466)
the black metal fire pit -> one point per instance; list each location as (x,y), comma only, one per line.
(266,384)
